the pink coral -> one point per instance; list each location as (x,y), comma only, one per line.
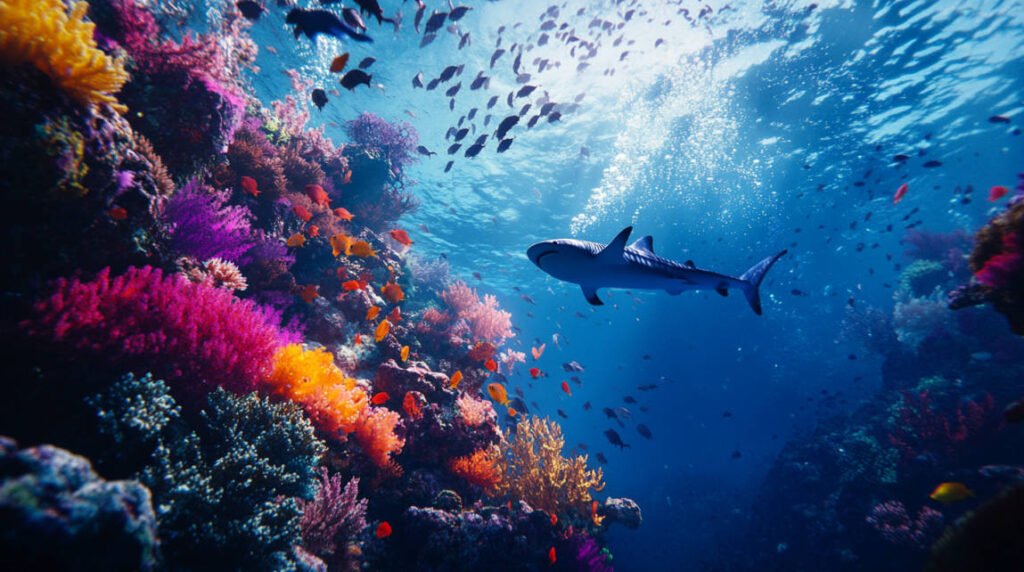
(474,412)
(188,333)
(920,427)
(509,358)
(485,319)
(333,518)
(894,524)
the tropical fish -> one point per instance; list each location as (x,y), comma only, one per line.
(643,431)
(498,393)
(504,144)
(572,367)
(613,437)
(456,378)
(338,64)
(315,22)
(118,213)
(366,63)
(372,312)
(602,459)
(353,78)
(404,353)
(343,213)
(380,398)
(537,351)
(999,119)
(491,365)
(593,266)
(997,192)
(382,330)
(352,18)
(900,193)
(319,98)
(303,213)
(314,231)
(308,293)
(948,493)
(401,236)
(565,388)
(512,412)
(362,249)
(295,240)
(250,9)
(392,292)
(372,7)
(341,244)
(318,195)
(383,530)
(552,558)
(248,185)
(593,514)
(396,315)
(534,372)
(554,519)
(352,285)
(347,178)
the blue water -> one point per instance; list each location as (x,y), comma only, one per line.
(737,137)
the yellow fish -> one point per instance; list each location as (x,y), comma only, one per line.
(498,393)
(372,312)
(296,240)
(949,493)
(362,249)
(382,330)
(341,244)
(405,353)
(456,378)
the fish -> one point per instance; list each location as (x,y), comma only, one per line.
(491,102)
(457,12)
(565,388)
(948,493)
(647,387)
(319,98)
(362,249)
(372,312)
(358,340)
(473,150)
(613,437)
(453,90)
(454,148)
(343,214)
(504,144)
(643,431)
(347,178)
(353,78)
(302,212)
(420,11)
(562,414)
(313,22)
(448,166)
(498,393)
(448,73)
(455,379)
(572,367)
(552,556)
(296,240)
(602,459)
(497,54)
(424,151)
(461,134)
(383,530)
(366,63)
(372,7)
(435,22)
(250,10)
(736,454)
(248,185)
(396,315)
(900,193)
(401,236)
(404,354)
(629,399)
(525,91)
(352,285)
(479,81)
(535,372)
(352,18)
(318,195)
(417,80)
(314,231)
(512,412)
(932,164)
(999,119)
(392,292)
(382,330)
(340,244)
(118,213)
(997,192)
(506,124)
(491,365)
(309,292)
(537,351)
(616,265)
(380,398)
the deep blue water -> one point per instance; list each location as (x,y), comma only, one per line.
(767,125)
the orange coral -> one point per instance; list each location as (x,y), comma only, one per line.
(479,468)
(310,378)
(375,433)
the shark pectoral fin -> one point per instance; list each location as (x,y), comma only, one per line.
(722,290)
(613,253)
(591,295)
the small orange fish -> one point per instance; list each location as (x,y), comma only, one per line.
(118,213)
(900,193)
(384,530)
(949,493)
(348,178)
(997,192)
(491,365)
(382,330)
(362,249)
(318,195)
(372,312)
(359,340)
(498,393)
(554,519)
(295,240)
(340,244)
(392,292)
(395,315)
(338,63)
(597,520)
(351,285)
(314,231)
(401,237)
(534,372)
(249,186)
(343,214)
(512,412)
(302,212)
(380,398)
(456,378)
(537,352)
(309,292)
(411,406)
(405,353)
(565,388)
(551,557)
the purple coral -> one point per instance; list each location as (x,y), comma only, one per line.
(397,140)
(333,518)
(895,525)
(589,557)
(202,226)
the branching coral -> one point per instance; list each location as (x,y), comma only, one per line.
(474,412)
(486,320)
(917,319)
(918,426)
(479,468)
(60,44)
(895,525)
(397,140)
(334,518)
(193,335)
(375,433)
(534,470)
(201,225)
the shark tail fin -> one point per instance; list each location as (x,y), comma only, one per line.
(751,281)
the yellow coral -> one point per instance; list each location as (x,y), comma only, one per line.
(535,471)
(309,377)
(60,44)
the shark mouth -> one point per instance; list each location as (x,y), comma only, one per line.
(542,255)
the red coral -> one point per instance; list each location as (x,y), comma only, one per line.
(922,428)
(188,333)
(479,468)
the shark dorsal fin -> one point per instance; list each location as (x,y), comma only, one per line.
(613,253)
(645,244)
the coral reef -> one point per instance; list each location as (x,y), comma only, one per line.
(200,225)
(333,520)
(479,468)
(54,510)
(895,525)
(396,140)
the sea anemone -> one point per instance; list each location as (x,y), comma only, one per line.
(60,44)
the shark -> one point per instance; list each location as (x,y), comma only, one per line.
(617,264)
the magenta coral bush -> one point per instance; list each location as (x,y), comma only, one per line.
(397,140)
(197,336)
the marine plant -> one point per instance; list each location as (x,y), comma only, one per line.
(225,488)
(200,224)
(57,40)
(396,140)
(534,470)
(486,320)
(195,336)
(333,519)
(479,468)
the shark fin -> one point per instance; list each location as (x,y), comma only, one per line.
(645,244)
(613,253)
(751,281)
(591,295)
(722,290)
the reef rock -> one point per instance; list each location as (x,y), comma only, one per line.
(623,511)
(417,376)
(56,513)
